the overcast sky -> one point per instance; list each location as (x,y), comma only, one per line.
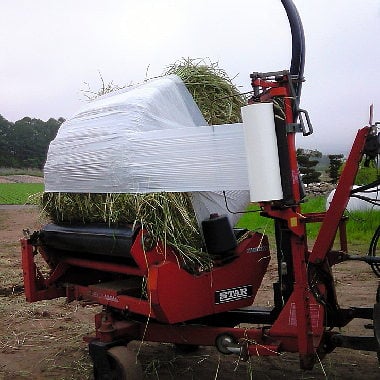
(51,48)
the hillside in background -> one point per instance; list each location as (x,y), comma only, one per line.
(323,163)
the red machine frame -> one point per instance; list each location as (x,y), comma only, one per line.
(300,321)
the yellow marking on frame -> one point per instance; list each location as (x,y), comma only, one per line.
(293,221)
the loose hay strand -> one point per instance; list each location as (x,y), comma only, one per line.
(216,96)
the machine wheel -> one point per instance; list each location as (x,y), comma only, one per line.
(376,320)
(326,346)
(123,365)
(186,348)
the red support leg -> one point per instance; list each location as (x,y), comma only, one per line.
(327,233)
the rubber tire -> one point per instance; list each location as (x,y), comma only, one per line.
(186,348)
(123,365)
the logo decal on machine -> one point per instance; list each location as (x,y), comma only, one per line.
(233,294)
(261,248)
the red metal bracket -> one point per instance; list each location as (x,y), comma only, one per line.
(36,287)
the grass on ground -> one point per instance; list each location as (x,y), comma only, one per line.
(18,193)
(360,227)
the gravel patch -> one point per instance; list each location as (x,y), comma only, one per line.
(21,179)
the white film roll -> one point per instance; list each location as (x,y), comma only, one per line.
(262,152)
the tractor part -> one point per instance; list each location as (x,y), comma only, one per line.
(114,362)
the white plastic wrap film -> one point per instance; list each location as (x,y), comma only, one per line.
(147,139)
(150,138)
(174,160)
(230,203)
(262,152)
(88,152)
(357,204)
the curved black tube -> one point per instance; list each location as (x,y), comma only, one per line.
(298,44)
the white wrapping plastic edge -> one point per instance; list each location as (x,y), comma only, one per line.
(356,204)
(262,152)
(230,203)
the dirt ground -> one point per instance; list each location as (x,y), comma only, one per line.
(43,340)
(21,178)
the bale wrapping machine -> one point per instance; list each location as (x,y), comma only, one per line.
(148,295)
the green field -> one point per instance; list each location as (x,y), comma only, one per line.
(18,193)
(254,221)
(360,227)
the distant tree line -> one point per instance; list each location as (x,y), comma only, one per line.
(24,144)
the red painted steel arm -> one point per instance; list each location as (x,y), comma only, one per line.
(328,230)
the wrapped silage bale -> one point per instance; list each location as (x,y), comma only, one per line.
(89,161)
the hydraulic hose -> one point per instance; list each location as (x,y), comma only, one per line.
(298,45)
